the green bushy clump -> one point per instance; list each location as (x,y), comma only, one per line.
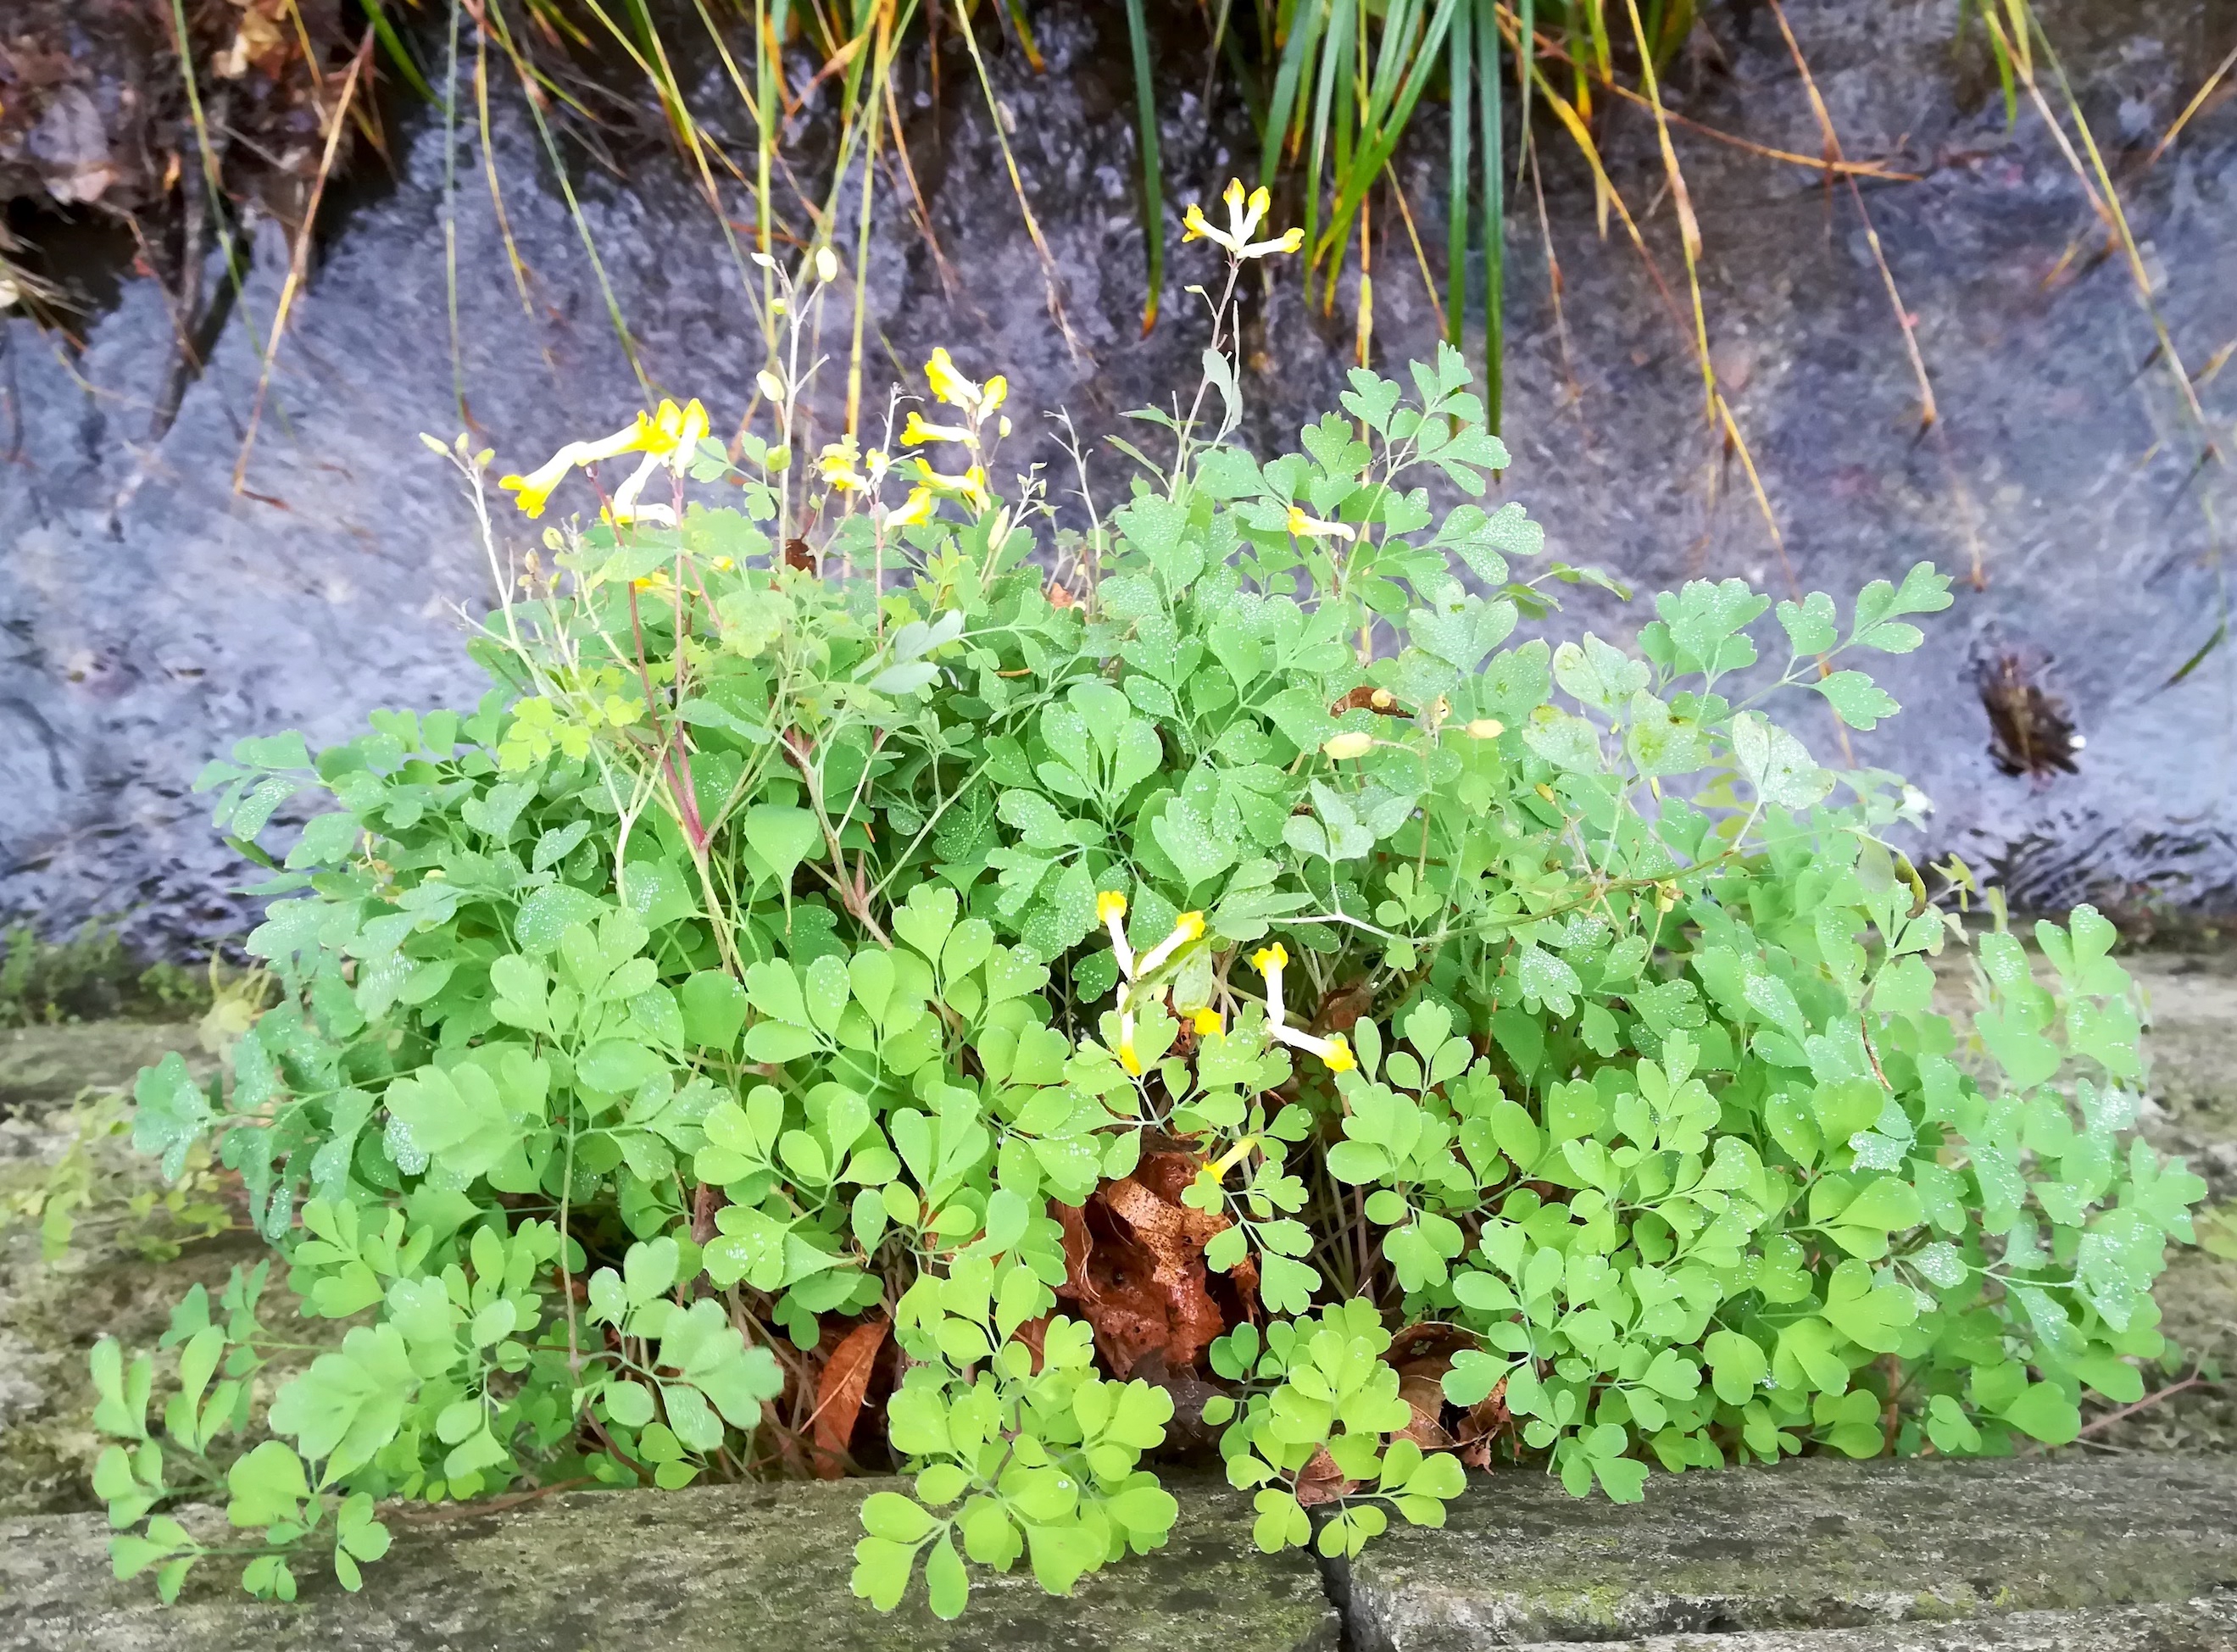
(817,955)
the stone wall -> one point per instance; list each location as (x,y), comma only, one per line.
(2074,1556)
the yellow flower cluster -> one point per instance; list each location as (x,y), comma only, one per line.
(669,436)
(845,467)
(1111,907)
(1244,214)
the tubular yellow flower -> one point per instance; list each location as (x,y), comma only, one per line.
(533,491)
(676,432)
(1311,527)
(1244,213)
(836,465)
(1337,1054)
(998,392)
(1128,1059)
(1111,907)
(1352,743)
(1269,962)
(1217,1169)
(916,433)
(671,436)
(918,507)
(950,386)
(1186,929)
(1205,1021)
(970,487)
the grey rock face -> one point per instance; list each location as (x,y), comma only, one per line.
(154,615)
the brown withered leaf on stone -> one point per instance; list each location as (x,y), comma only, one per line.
(1321,1480)
(1487,1419)
(1421,1354)
(839,1392)
(1427,1396)
(1134,1263)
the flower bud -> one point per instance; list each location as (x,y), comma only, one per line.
(1353,743)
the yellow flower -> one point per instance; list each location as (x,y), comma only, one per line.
(1244,214)
(1110,909)
(1206,1022)
(1275,957)
(918,507)
(1186,929)
(917,433)
(1352,743)
(670,436)
(678,432)
(952,387)
(836,465)
(535,488)
(1127,1058)
(1338,1055)
(970,487)
(1216,1170)
(1311,527)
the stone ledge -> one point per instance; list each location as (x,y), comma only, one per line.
(1818,1545)
(757,1569)
(2126,1555)
(2191,1626)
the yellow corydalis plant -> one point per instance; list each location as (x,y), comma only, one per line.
(1334,1051)
(1244,215)
(669,436)
(846,469)
(1134,970)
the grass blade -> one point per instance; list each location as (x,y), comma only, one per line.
(1153,194)
(1460,71)
(393,48)
(1305,27)
(1495,209)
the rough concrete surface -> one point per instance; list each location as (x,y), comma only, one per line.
(2204,1625)
(748,1567)
(2066,1556)
(1818,1545)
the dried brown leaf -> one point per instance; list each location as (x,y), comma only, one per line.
(1321,1480)
(839,1394)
